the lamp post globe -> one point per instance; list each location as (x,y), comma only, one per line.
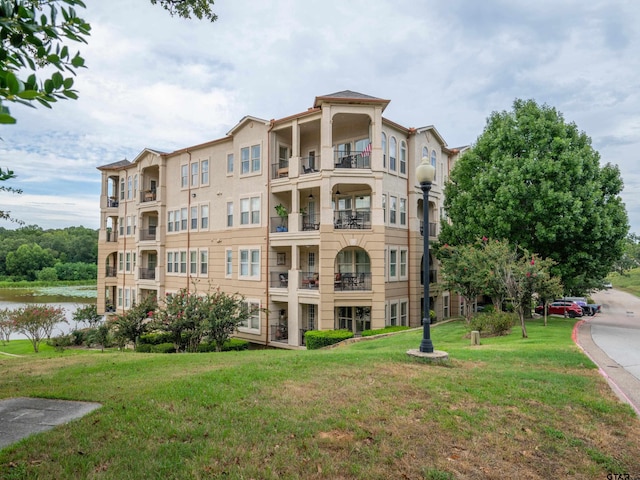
(425,174)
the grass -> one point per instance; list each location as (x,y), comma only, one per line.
(629,282)
(509,408)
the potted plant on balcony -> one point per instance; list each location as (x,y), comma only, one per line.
(282,212)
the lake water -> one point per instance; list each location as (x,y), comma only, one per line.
(68,298)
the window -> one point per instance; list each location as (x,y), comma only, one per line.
(195,174)
(194,218)
(255,210)
(204,172)
(425,152)
(127,298)
(393,151)
(169,262)
(404,313)
(384,150)
(204,262)
(183,262)
(135,186)
(230,163)
(393,314)
(433,162)
(252,307)
(229,214)
(393,264)
(176,220)
(228,270)
(170,221)
(193,262)
(250,263)
(120,296)
(204,217)
(184,178)
(129,187)
(183,223)
(121,226)
(122,188)
(244,160)
(255,158)
(403,157)
(403,264)
(127,262)
(250,211)
(384,208)
(120,262)
(129,225)
(403,211)
(393,207)
(445,306)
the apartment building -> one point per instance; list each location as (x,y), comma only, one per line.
(315,218)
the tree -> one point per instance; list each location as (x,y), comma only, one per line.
(36,65)
(87,313)
(183,317)
(36,322)
(7,325)
(630,255)
(134,322)
(224,314)
(535,180)
(4,176)
(548,289)
(27,260)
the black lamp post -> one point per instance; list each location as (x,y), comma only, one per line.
(425,173)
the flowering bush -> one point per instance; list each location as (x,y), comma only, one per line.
(36,322)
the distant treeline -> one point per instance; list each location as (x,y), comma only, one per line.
(31,253)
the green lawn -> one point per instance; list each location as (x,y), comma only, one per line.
(509,408)
(630,282)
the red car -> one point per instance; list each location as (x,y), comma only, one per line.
(565,308)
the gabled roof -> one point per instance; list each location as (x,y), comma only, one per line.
(348,96)
(245,119)
(435,132)
(119,165)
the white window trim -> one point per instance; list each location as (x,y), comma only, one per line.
(228,262)
(394,278)
(249,302)
(249,249)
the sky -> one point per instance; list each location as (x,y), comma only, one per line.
(166,83)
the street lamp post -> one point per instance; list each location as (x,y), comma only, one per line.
(425,173)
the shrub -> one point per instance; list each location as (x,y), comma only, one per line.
(315,339)
(61,342)
(493,323)
(235,344)
(389,329)
(144,348)
(164,348)
(155,338)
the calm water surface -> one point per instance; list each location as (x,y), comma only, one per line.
(68,298)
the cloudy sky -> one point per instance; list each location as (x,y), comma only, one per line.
(166,83)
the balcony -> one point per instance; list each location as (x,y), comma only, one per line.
(359,160)
(280,169)
(310,222)
(348,219)
(148,233)
(279,279)
(147,273)
(148,196)
(279,333)
(110,272)
(308,165)
(112,202)
(432,229)
(309,280)
(352,282)
(112,236)
(433,277)
(279,224)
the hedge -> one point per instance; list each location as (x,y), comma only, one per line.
(315,339)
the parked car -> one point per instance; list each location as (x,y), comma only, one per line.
(608,285)
(587,308)
(561,307)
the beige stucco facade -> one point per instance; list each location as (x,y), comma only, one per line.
(348,255)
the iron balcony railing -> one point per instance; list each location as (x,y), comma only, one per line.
(310,222)
(352,281)
(279,224)
(147,273)
(279,279)
(280,169)
(432,229)
(309,165)
(148,233)
(112,236)
(111,272)
(309,280)
(351,160)
(279,333)
(148,196)
(351,219)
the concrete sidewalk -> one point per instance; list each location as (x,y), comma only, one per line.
(625,385)
(22,416)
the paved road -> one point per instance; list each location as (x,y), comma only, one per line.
(612,340)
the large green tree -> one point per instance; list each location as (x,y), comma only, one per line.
(36,63)
(534,179)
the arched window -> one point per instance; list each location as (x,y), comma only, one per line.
(403,157)
(433,161)
(393,152)
(384,150)
(425,152)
